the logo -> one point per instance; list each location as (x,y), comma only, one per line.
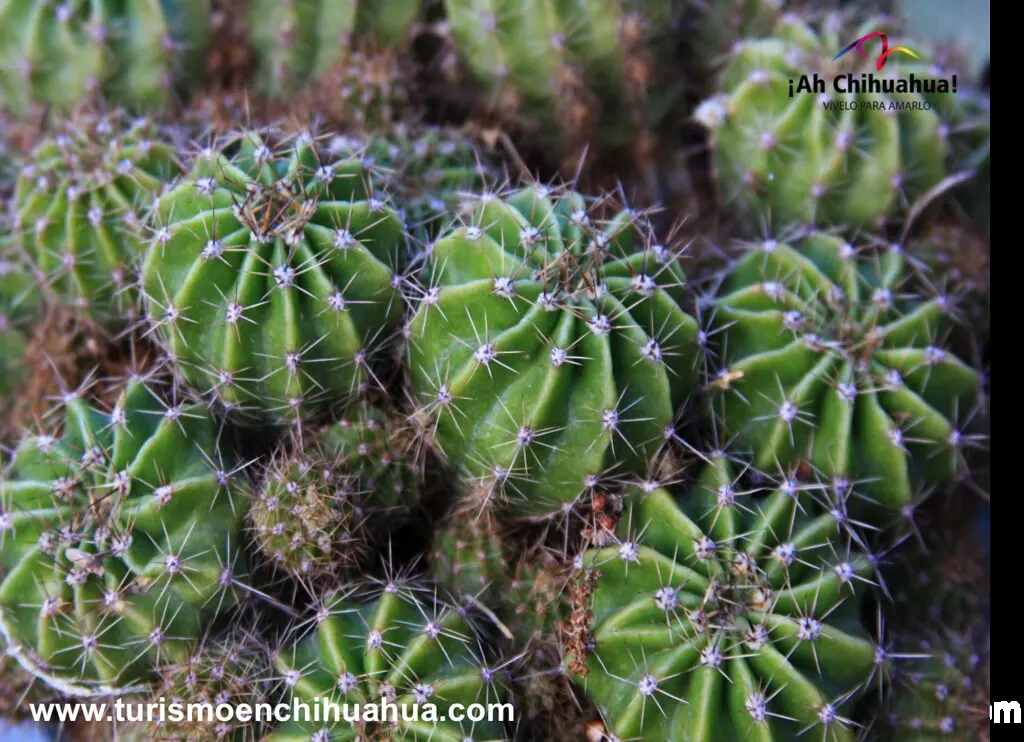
(886,51)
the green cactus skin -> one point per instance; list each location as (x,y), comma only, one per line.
(269,276)
(431,170)
(132,53)
(790,160)
(78,210)
(551,345)
(469,558)
(830,354)
(19,301)
(558,58)
(719,617)
(325,502)
(403,646)
(116,542)
(229,669)
(299,41)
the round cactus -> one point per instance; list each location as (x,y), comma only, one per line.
(831,354)
(268,275)
(551,345)
(298,43)
(722,615)
(941,693)
(229,669)
(431,170)
(788,159)
(116,542)
(715,26)
(554,65)
(78,209)
(469,558)
(402,648)
(325,502)
(58,53)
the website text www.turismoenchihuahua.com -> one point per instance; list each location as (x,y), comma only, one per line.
(323,711)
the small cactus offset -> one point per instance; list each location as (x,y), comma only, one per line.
(78,209)
(119,540)
(298,42)
(787,159)
(403,648)
(469,558)
(551,345)
(326,501)
(269,275)
(722,615)
(229,669)
(716,25)
(135,53)
(834,354)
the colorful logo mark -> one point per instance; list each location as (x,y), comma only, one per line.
(886,51)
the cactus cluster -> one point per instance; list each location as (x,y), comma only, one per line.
(347,357)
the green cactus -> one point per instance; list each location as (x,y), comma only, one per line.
(229,669)
(132,53)
(716,25)
(403,647)
(78,209)
(19,301)
(551,345)
(327,500)
(787,159)
(300,41)
(832,354)
(566,68)
(269,275)
(117,542)
(941,692)
(722,616)
(469,558)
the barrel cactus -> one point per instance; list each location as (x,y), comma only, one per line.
(566,69)
(326,500)
(551,345)
(79,205)
(119,542)
(836,355)
(402,648)
(787,159)
(722,615)
(269,278)
(941,692)
(297,43)
(135,53)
